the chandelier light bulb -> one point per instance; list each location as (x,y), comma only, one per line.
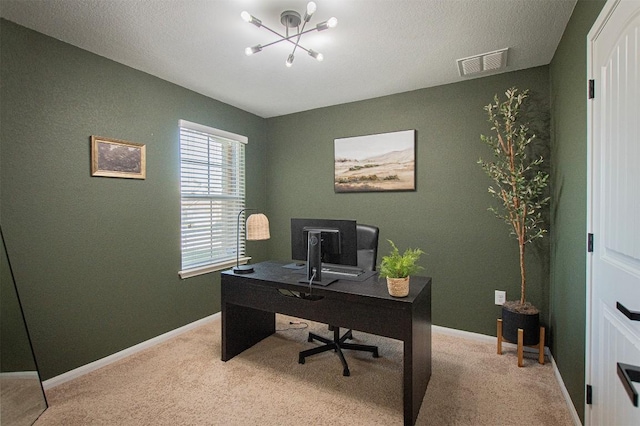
(331,23)
(247,17)
(316,55)
(251,50)
(289,61)
(311,9)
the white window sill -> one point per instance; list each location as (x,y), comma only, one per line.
(193,272)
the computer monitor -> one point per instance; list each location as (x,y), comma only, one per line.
(323,241)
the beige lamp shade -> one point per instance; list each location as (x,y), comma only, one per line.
(258,227)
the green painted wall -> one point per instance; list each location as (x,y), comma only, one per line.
(96,259)
(469,251)
(568,73)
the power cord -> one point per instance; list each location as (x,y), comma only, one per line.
(302,323)
(311,280)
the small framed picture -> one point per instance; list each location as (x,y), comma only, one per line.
(116,158)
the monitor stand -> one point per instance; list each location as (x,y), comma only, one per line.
(325,281)
(314,260)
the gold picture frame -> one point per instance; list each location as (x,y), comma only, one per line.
(118,158)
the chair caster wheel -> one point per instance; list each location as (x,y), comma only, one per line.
(346,373)
(300,360)
(376,355)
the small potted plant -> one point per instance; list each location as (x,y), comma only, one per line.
(397,269)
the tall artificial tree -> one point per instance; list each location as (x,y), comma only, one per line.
(519,181)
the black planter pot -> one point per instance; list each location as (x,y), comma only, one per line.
(529,323)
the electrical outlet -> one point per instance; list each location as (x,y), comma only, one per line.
(501,297)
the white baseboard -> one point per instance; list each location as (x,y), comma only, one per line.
(80,371)
(30,375)
(492,339)
(565,393)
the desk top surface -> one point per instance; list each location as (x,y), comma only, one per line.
(374,287)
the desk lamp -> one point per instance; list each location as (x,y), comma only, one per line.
(256,229)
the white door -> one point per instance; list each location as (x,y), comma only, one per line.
(613,275)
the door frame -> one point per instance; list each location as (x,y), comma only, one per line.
(592,74)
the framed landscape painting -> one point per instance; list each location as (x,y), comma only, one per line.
(375,163)
(116,158)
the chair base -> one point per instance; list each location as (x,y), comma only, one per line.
(337,345)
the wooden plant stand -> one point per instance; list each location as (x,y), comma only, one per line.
(539,346)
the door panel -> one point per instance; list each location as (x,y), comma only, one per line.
(617,346)
(614,210)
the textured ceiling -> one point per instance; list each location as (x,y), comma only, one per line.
(379,47)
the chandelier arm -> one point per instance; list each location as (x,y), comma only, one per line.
(300,32)
(288,38)
(295,44)
(285,39)
(277,33)
(305,32)
(300,47)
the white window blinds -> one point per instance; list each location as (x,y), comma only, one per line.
(212,188)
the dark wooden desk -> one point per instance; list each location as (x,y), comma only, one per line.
(249,304)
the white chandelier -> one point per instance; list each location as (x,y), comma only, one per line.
(290,19)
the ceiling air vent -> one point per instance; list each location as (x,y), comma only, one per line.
(484,62)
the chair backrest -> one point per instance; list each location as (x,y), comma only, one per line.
(367,246)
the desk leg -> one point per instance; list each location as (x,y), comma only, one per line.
(408,382)
(243,327)
(417,365)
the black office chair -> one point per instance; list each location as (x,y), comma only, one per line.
(367,255)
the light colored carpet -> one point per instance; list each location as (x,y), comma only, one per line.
(21,398)
(183,382)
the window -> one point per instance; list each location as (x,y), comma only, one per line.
(211,195)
